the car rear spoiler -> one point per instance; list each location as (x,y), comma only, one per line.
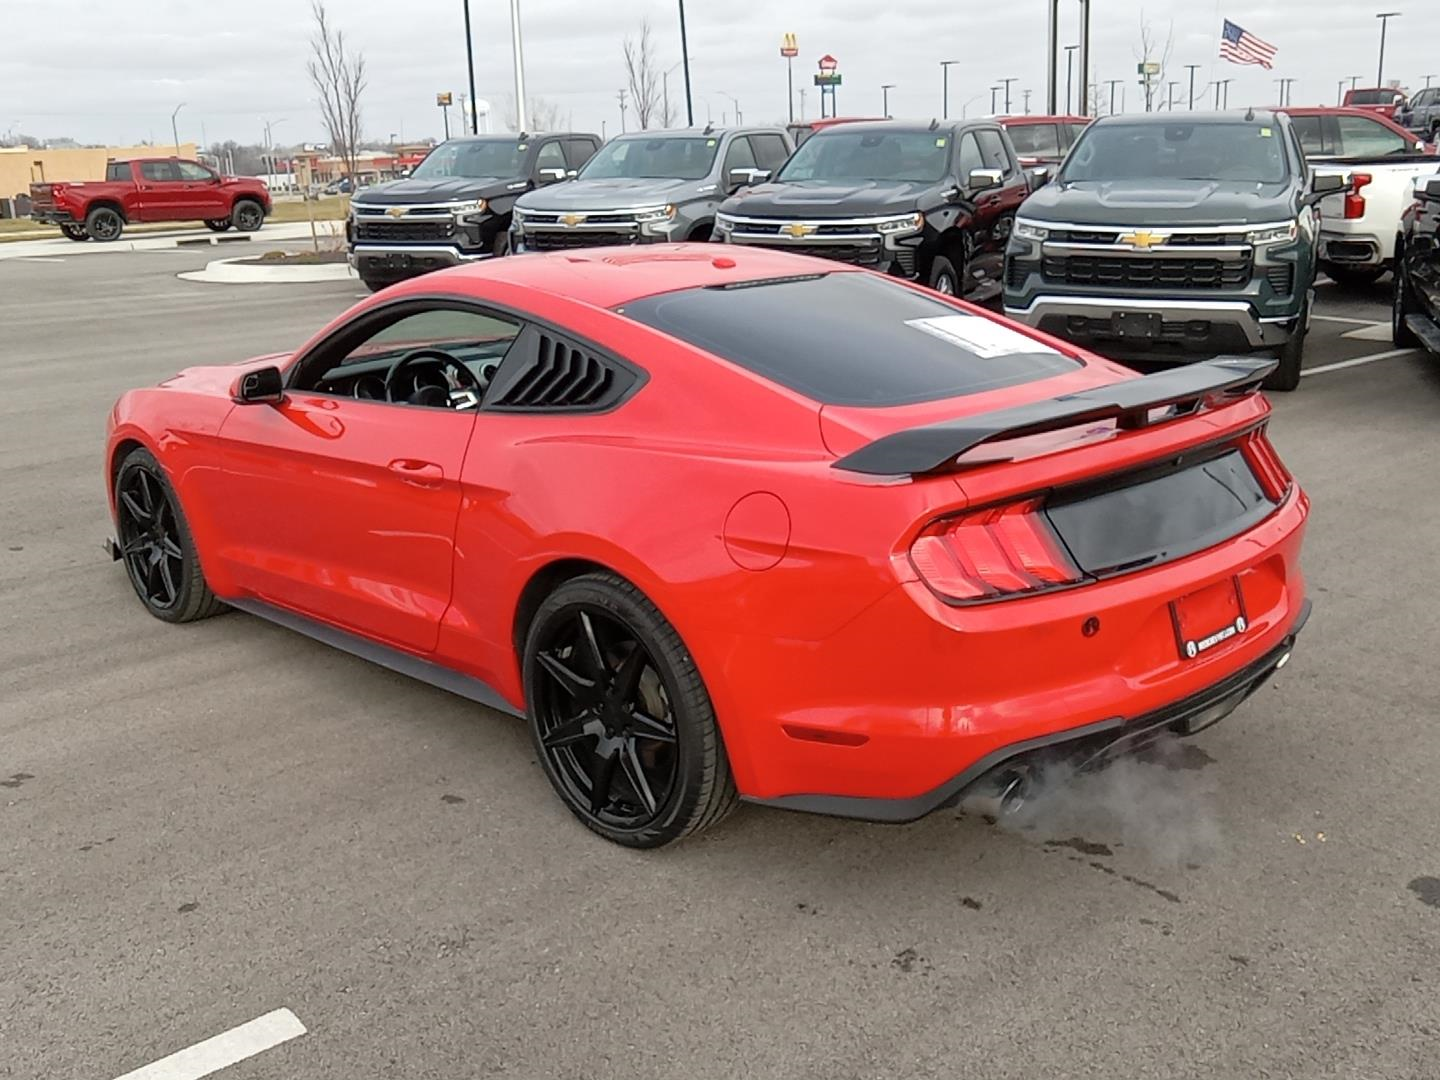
(934,446)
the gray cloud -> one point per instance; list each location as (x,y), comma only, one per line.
(121,75)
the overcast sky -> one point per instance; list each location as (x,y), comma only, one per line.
(233,64)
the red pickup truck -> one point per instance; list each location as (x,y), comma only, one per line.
(150,189)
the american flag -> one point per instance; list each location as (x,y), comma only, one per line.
(1242,47)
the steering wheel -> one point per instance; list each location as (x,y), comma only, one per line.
(462,389)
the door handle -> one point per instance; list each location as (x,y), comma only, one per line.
(419,473)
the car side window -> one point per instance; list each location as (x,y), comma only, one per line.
(1310,131)
(770,151)
(118,170)
(740,155)
(1361,137)
(579,151)
(969,158)
(190,171)
(1072,132)
(992,149)
(159,172)
(551,156)
(1035,139)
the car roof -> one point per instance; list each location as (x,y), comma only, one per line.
(906,127)
(1035,118)
(1166,119)
(608,277)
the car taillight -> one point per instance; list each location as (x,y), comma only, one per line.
(1271,471)
(996,552)
(1354,201)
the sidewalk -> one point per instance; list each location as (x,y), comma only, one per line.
(59,247)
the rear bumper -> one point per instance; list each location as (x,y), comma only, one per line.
(1086,747)
(1224,324)
(54,217)
(1352,249)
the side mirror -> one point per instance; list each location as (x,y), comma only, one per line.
(1328,183)
(746,177)
(571,174)
(264,386)
(1039,176)
(551,176)
(984,179)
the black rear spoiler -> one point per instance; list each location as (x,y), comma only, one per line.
(926,449)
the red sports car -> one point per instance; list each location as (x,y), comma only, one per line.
(733,523)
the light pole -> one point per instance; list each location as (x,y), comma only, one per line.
(1427,80)
(993,91)
(1384,17)
(470,61)
(1285,85)
(739,116)
(1191,68)
(621,96)
(1026,95)
(1006,83)
(1340,92)
(965,108)
(1222,86)
(1113,83)
(885,89)
(1069,64)
(665,88)
(518,49)
(945,87)
(1170,95)
(174,131)
(268,125)
(685,59)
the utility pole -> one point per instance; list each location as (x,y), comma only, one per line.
(885,89)
(945,87)
(1026,95)
(1052,40)
(1427,87)
(469,60)
(1006,83)
(1170,95)
(1340,92)
(993,91)
(1113,83)
(621,96)
(1084,64)
(1191,68)
(174,131)
(1069,63)
(1384,17)
(1222,86)
(519,50)
(685,59)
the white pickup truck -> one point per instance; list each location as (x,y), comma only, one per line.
(1358,225)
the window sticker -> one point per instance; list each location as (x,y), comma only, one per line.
(1264,133)
(983,337)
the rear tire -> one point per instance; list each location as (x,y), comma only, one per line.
(614,699)
(75,232)
(248,215)
(1402,304)
(500,245)
(217,224)
(1353,277)
(944,276)
(104,224)
(1286,377)
(156,545)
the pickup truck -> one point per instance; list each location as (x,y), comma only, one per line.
(931,202)
(1174,237)
(1421,114)
(1415,306)
(649,187)
(1379,161)
(1382,100)
(150,189)
(456,206)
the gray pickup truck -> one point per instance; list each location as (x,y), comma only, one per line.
(1421,114)
(648,187)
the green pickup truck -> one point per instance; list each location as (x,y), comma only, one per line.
(1174,237)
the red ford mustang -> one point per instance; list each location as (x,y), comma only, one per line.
(743,524)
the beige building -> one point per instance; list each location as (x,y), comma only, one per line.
(20,167)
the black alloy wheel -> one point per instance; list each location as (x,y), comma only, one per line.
(944,277)
(248,215)
(620,717)
(104,224)
(155,544)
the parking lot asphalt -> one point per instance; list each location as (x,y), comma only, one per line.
(202,824)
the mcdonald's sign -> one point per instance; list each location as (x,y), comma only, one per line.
(788,46)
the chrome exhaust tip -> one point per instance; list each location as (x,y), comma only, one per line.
(1000,795)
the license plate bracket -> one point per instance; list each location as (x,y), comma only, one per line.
(1209,617)
(1136,324)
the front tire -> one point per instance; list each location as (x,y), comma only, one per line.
(217,224)
(620,717)
(104,224)
(1286,377)
(944,276)
(1402,305)
(156,545)
(248,215)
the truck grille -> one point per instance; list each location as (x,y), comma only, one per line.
(405,231)
(1145,273)
(858,254)
(1179,239)
(547,240)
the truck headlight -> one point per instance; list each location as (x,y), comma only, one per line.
(1273,234)
(654,214)
(470,211)
(906,223)
(724,224)
(1028,230)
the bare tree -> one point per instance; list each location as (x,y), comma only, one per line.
(542,115)
(1149,47)
(644,78)
(338,74)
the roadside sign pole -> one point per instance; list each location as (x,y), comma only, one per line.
(790,85)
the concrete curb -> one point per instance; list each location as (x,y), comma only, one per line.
(233,272)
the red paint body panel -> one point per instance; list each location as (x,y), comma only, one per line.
(712,490)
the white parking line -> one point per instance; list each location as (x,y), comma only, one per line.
(38,258)
(223,1050)
(1375,332)
(1357,361)
(1344,319)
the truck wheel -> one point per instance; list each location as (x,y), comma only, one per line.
(944,277)
(1287,375)
(217,224)
(75,232)
(1353,277)
(248,215)
(103,224)
(501,244)
(1402,304)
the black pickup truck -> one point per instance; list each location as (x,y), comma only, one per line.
(456,206)
(1415,316)
(1174,237)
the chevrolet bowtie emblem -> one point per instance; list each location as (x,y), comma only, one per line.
(396,211)
(1142,239)
(569,220)
(798,229)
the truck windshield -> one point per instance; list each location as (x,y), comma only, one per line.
(476,158)
(917,156)
(1373,97)
(1241,151)
(668,158)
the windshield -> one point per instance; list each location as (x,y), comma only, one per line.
(667,159)
(1374,97)
(1239,151)
(919,156)
(472,158)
